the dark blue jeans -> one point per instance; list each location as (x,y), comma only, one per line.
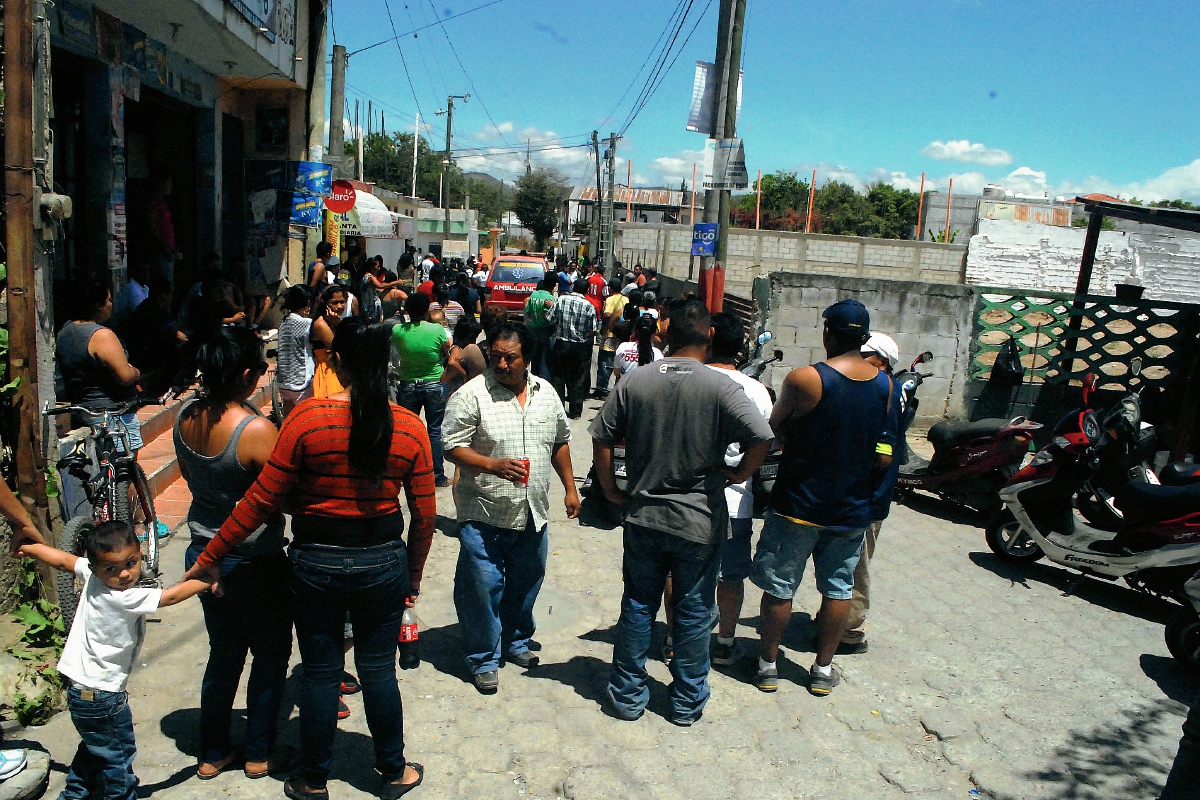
(1184,779)
(604,369)
(496,583)
(540,362)
(371,584)
(107,748)
(253,616)
(649,557)
(431,396)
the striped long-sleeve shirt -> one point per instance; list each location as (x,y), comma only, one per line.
(309,472)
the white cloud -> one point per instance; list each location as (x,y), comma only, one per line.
(1025,180)
(964,182)
(1176,183)
(671,170)
(967,152)
(508,161)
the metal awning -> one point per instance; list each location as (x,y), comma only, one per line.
(369,218)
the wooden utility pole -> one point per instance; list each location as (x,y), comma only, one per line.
(629,190)
(949,197)
(449,112)
(812,193)
(920,206)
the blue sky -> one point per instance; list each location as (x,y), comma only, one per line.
(1049,96)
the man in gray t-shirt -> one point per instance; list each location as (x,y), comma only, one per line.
(676,417)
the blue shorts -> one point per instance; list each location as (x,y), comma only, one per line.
(735,552)
(783,551)
(133,429)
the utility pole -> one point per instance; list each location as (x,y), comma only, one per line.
(337,101)
(358,145)
(724,125)
(26,178)
(449,112)
(607,216)
(594,250)
(416,141)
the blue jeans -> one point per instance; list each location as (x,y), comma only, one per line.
(430,395)
(604,368)
(253,616)
(107,747)
(496,583)
(650,556)
(541,351)
(371,583)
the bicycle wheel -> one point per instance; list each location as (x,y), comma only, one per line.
(74,540)
(135,505)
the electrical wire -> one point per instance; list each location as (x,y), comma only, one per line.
(403,63)
(437,61)
(420,48)
(474,91)
(645,61)
(447,19)
(650,94)
(657,70)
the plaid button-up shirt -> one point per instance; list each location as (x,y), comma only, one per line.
(574,318)
(485,416)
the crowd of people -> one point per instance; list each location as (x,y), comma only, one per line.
(356,372)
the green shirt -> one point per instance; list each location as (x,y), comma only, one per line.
(536,309)
(419,347)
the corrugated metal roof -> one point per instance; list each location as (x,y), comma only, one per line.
(641,197)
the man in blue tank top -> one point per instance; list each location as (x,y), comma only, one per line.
(832,418)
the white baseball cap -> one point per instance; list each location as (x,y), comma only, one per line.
(883,345)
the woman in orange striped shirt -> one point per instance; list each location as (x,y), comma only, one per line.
(339,467)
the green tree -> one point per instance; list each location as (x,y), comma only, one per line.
(490,200)
(538,201)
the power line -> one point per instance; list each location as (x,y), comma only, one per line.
(420,48)
(654,89)
(474,91)
(403,63)
(656,71)
(645,61)
(416,30)
(441,72)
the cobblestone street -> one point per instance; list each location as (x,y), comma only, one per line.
(980,678)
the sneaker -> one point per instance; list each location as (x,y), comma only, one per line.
(486,682)
(820,685)
(350,684)
(442,482)
(724,655)
(524,659)
(343,709)
(686,722)
(765,680)
(845,648)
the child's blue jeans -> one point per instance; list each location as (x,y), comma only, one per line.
(106,750)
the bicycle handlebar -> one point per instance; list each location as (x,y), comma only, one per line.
(115,411)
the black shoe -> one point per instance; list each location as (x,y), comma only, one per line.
(392,788)
(846,648)
(765,680)
(441,483)
(297,788)
(524,659)
(486,682)
(350,684)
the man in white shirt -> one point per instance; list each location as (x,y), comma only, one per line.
(729,335)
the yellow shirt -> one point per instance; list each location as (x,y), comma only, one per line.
(613,307)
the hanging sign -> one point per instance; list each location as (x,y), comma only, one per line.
(342,197)
(725,164)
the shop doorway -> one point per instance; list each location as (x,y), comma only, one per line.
(160,139)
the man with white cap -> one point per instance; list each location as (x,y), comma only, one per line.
(880,351)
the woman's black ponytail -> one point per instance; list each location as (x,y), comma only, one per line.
(645,328)
(362,350)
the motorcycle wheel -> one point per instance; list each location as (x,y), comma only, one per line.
(1009,542)
(1183,638)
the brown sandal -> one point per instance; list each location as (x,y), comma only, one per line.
(207,771)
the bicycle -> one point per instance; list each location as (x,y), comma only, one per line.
(116,487)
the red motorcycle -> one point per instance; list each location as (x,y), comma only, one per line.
(971,460)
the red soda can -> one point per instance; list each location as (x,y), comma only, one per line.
(525,463)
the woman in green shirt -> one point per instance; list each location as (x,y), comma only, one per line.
(421,345)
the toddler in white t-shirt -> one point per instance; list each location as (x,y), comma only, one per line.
(100,651)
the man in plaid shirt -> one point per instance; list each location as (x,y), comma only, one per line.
(575,326)
(506,431)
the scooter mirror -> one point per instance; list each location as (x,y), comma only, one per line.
(925,357)
(1135,366)
(778,355)
(1089,386)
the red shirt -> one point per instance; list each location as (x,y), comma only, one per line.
(597,291)
(426,289)
(309,472)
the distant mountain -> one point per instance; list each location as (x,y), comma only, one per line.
(486,178)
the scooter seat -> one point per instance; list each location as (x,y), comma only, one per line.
(952,434)
(1145,503)
(1179,474)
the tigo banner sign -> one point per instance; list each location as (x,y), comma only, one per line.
(704,239)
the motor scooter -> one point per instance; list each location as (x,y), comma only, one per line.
(1156,546)
(971,460)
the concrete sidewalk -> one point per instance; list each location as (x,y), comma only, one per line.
(980,678)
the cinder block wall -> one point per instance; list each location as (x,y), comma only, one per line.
(759,253)
(918,315)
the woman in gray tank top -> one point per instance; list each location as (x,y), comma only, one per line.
(222,444)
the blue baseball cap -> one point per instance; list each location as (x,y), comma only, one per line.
(848,315)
